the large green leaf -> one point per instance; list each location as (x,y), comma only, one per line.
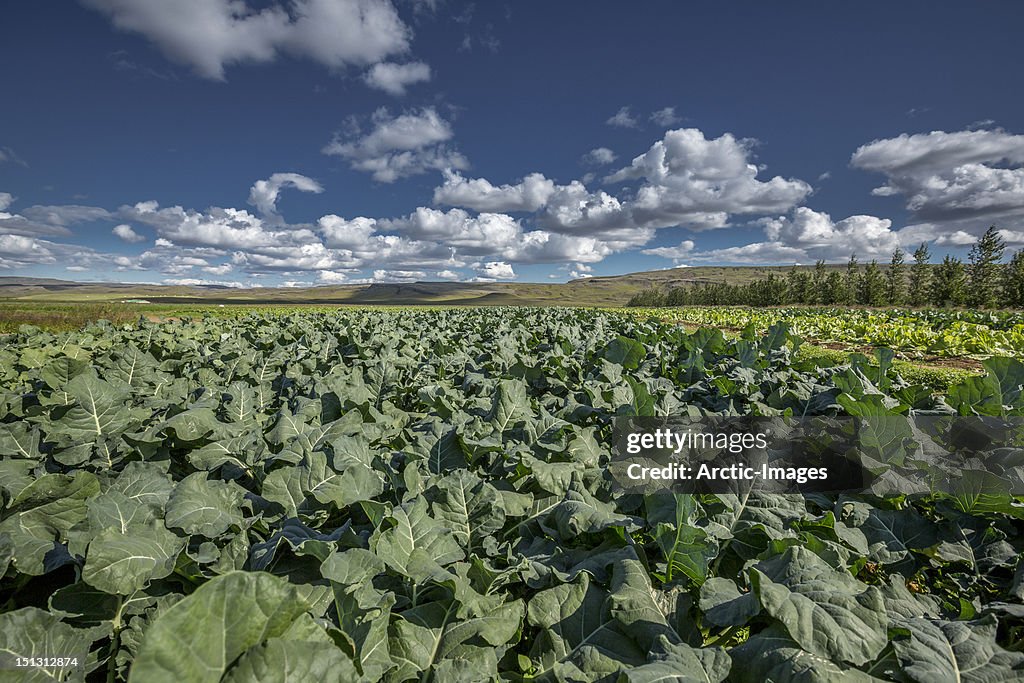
(288,661)
(827,612)
(937,650)
(30,632)
(202,506)
(416,545)
(122,562)
(197,639)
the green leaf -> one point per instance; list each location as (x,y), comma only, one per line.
(122,563)
(578,632)
(205,507)
(827,612)
(197,639)
(288,661)
(470,507)
(680,663)
(31,632)
(771,655)
(415,545)
(938,650)
(625,352)
(98,411)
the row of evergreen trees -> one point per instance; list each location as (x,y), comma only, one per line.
(983,282)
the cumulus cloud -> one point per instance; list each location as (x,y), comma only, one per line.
(960,181)
(684,179)
(821,237)
(802,237)
(332,277)
(127,234)
(459,229)
(339,233)
(263,194)
(395,78)
(599,156)
(529,194)
(665,117)
(399,146)
(494,270)
(209,35)
(623,118)
(6,199)
(216,227)
(691,180)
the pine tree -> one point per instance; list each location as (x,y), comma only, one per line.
(818,283)
(852,280)
(798,286)
(834,291)
(948,283)
(872,285)
(983,271)
(896,284)
(920,276)
(1013,281)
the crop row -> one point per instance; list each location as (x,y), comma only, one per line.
(934,332)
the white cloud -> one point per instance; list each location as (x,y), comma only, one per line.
(400,146)
(682,250)
(340,233)
(217,227)
(383,275)
(332,277)
(209,35)
(6,199)
(483,233)
(821,237)
(693,181)
(263,194)
(221,269)
(958,238)
(395,78)
(447,275)
(599,156)
(755,253)
(623,118)
(46,220)
(495,270)
(951,182)
(22,251)
(665,117)
(580,271)
(202,282)
(529,194)
(25,248)
(127,234)
(935,153)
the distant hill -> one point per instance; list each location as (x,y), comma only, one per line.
(612,290)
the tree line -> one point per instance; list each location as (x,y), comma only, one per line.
(983,282)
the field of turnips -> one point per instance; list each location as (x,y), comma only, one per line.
(423,495)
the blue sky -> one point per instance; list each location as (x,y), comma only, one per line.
(345,141)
